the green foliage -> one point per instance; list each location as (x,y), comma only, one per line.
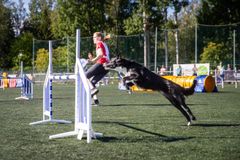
(59,59)
(39,22)
(116,12)
(70,15)
(41,62)
(154,17)
(215,53)
(6,35)
(219,12)
(186,34)
(22,44)
(134,24)
(58,19)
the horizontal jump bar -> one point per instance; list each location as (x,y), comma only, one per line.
(64,77)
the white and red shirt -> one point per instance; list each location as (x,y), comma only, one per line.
(105,58)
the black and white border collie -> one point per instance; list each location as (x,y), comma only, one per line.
(136,74)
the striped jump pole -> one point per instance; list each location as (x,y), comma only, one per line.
(47,95)
(22,82)
(83,108)
(26,86)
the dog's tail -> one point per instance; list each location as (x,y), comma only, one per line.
(190,91)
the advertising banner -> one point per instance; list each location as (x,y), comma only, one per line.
(189,69)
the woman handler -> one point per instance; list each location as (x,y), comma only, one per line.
(97,71)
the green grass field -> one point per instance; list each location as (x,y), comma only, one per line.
(137,126)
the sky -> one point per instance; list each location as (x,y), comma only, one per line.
(25,3)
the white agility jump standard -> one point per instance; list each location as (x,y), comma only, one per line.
(22,82)
(47,95)
(27,86)
(83,108)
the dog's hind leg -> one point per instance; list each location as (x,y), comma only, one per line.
(176,103)
(184,105)
(181,100)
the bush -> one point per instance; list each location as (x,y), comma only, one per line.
(42,60)
(215,53)
(59,59)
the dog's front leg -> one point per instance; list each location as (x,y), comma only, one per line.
(130,77)
(126,80)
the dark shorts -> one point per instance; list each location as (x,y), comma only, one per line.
(95,73)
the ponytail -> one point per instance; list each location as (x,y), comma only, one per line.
(107,37)
(99,34)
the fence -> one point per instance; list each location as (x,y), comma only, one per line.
(227,76)
(161,49)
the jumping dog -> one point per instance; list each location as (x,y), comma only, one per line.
(136,74)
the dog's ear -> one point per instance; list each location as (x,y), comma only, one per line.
(118,56)
(119,61)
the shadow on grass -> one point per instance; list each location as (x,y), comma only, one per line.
(216,125)
(7,101)
(148,104)
(153,138)
(135,104)
(224,92)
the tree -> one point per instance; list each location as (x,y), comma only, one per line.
(19,16)
(148,14)
(215,53)
(70,15)
(39,21)
(6,34)
(177,5)
(116,11)
(134,24)
(187,23)
(219,12)
(22,44)
(154,16)
(217,21)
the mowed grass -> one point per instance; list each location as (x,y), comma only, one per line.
(137,126)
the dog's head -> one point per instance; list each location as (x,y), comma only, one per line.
(117,64)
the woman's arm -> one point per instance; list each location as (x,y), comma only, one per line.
(99,55)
